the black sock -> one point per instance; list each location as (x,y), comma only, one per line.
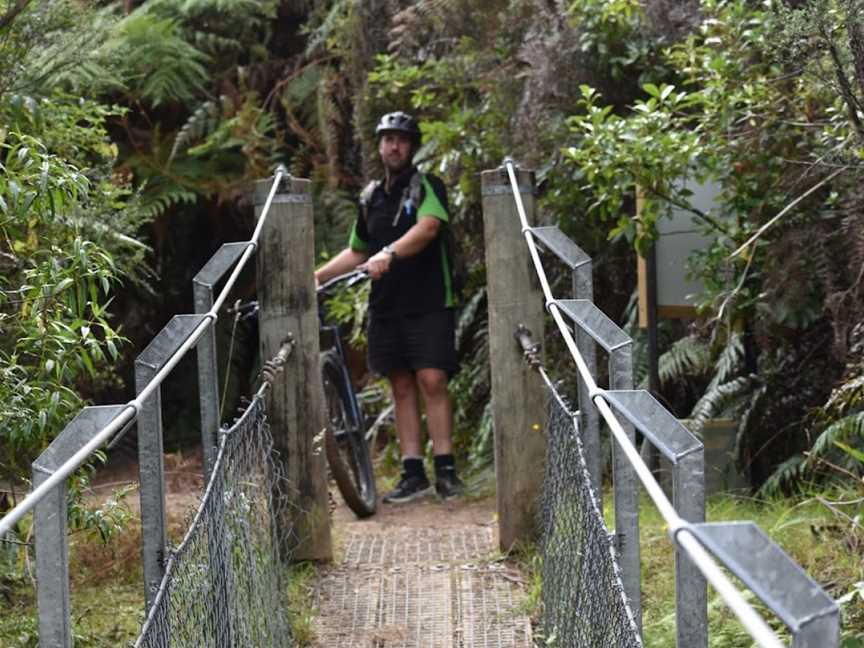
(413,467)
(444,464)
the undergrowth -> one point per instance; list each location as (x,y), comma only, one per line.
(826,545)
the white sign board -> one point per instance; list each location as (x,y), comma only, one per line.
(678,237)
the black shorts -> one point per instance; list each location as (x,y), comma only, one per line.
(419,341)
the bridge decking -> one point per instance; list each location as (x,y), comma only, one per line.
(423,575)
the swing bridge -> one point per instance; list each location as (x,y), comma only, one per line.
(265,501)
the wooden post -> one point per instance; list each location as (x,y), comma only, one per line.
(518,396)
(286,294)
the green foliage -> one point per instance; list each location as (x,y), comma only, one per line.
(68,228)
(350,305)
(53,300)
(762,101)
(611,35)
(616,154)
(822,541)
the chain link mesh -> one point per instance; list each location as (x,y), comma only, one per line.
(583,598)
(223,585)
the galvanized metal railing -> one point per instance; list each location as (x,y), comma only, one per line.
(95,426)
(741,547)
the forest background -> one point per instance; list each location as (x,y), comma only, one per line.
(130,133)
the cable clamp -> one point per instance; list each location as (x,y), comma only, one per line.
(504,163)
(551,303)
(530,348)
(597,391)
(684,525)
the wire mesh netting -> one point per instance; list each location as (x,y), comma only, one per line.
(223,584)
(583,598)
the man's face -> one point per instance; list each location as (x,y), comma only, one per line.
(396,149)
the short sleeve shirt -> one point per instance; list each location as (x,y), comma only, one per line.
(418,284)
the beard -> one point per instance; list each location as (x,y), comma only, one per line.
(396,163)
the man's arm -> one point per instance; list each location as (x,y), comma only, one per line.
(410,243)
(343,262)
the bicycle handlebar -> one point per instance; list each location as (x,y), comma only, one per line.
(249,310)
(350,278)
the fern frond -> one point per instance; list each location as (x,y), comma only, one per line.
(722,398)
(215,44)
(687,357)
(244,8)
(468,315)
(729,362)
(157,202)
(751,415)
(845,429)
(155,52)
(787,472)
(846,397)
(333,19)
(201,123)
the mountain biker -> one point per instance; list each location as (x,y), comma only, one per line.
(401,236)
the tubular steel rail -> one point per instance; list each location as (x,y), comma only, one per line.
(741,547)
(95,426)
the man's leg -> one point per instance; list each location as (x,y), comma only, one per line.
(439,410)
(407,411)
(414,482)
(439,420)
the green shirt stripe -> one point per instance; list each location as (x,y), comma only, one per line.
(355,242)
(431,205)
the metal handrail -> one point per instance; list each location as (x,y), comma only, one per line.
(133,407)
(679,529)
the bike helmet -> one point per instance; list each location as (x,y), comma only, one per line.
(400,122)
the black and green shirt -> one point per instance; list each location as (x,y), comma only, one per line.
(419,284)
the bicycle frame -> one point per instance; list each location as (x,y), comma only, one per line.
(331,340)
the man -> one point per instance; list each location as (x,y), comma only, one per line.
(400,236)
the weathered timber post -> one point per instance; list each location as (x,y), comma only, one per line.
(286,295)
(518,398)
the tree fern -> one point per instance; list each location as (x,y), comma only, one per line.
(722,399)
(215,44)
(67,52)
(729,362)
(164,65)
(787,472)
(157,200)
(245,8)
(848,396)
(687,357)
(201,123)
(849,429)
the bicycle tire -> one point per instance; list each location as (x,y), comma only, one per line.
(344,442)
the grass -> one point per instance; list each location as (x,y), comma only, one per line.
(107,597)
(823,543)
(301,585)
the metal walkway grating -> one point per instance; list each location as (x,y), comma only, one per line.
(426,588)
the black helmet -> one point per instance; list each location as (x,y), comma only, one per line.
(401,122)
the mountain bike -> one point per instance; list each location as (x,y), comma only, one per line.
(345,444)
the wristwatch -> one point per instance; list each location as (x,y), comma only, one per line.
(389,250)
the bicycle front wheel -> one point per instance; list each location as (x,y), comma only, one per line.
(344,441)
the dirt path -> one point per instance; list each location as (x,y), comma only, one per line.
(421,575)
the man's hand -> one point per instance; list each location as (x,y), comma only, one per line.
(379,264)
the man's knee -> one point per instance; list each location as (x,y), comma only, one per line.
(403,385)
(432,382)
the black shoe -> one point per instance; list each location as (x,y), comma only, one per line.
(410,488)
(448,485)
